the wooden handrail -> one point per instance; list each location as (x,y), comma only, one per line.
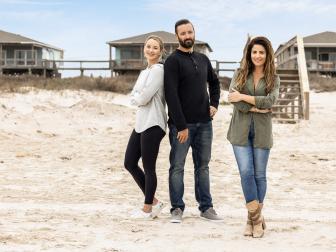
(285,46)
(291,58)
(218,68)
(118,63)
(303,73)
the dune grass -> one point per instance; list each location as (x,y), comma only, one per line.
(320,83)
(119,84)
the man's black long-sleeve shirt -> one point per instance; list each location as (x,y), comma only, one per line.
(186,79)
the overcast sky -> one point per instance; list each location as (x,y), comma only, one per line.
(82,28)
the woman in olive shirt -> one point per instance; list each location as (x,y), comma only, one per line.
(253,90)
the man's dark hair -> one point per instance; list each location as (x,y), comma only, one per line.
(182,22)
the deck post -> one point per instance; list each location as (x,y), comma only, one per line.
(110,61)
(1,60)
(306,98)
(81,69)
(44,65)
(111,68)
(217,68)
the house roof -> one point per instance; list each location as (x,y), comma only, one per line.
(167,37)
(322,39)
(326,37)
(11,38)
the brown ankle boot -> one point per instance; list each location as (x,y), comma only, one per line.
(263,222)
(248,228)
(254,210)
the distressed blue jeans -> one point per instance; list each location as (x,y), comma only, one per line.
(200,140)
(252,164)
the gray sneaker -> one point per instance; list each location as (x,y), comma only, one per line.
(211,215)
(176,216)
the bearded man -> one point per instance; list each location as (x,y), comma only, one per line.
(187,77)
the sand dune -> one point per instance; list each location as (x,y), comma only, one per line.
(63,186)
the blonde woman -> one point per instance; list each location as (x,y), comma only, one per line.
(253,90)
(150,128)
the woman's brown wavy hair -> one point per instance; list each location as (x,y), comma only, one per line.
(247,66)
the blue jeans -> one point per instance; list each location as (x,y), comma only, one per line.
(252,163)
(200,140)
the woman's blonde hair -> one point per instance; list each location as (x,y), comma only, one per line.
(247,66)
(159,40)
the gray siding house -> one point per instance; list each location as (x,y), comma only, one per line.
(19,54)
(128,57)
(320,52)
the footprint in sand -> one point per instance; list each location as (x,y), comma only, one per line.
(26,154)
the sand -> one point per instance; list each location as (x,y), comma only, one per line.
(63,186)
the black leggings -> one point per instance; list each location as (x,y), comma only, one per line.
(145,145)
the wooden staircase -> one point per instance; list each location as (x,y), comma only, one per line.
(289,107)
(293,102)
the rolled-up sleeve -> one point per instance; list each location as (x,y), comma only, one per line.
(241,106)
(266,102)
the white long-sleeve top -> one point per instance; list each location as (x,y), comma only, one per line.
(148,95)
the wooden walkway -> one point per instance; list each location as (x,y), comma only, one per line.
(47,67)
(126,65)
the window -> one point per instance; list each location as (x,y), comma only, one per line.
(25,57)
(30,56)
(308,55)
(332,57)
(296,51)
(324,57)
(20,57)
(3,57)
(130,53)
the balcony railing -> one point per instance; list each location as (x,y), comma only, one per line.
(129,64)
(27,63)
(18,62)
(321,65)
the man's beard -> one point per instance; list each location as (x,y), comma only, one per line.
(188,43)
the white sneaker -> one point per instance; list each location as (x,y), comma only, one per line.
(156,209)
(141,215)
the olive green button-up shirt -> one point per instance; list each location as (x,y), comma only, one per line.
(242,117)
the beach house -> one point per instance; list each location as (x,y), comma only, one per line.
(320,53)
(19,54)
(127,56)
